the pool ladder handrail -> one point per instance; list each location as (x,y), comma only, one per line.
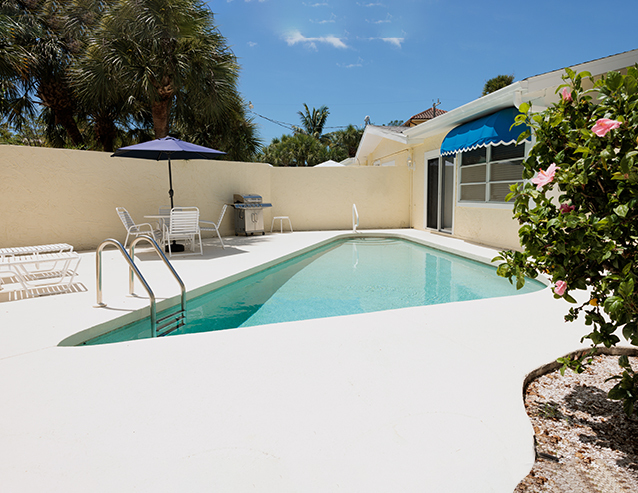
(355,218)
(175,320)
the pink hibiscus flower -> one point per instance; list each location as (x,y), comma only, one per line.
(545,177)
(560,287)
(604,125)
(566,94)
(565,208)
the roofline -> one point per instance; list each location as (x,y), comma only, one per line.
(538,89)
(381,133)
(529,89)
(503,98)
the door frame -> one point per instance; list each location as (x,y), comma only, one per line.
(428,156)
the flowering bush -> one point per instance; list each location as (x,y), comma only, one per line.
(578,210)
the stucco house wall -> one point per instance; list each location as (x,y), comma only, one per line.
(486,223)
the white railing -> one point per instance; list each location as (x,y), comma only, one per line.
(355,218)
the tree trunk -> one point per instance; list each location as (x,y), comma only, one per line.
(161,108)
(56,95)
(105,131)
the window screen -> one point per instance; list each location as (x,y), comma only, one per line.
(488,173)
(473,174)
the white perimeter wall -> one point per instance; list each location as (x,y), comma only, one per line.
(60,195)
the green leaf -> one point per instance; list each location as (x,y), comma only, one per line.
(626,288)
(524,107)
(621,210)
(569,299)
(504,270)
(616,393)
(614,81)
(628,407)
(520,282)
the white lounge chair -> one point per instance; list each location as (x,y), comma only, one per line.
(35,249)
(137,229)
(42,273)
(211,226)
(183,225)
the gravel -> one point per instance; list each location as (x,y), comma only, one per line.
(584,441)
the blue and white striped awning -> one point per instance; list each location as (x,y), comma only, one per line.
(494,129)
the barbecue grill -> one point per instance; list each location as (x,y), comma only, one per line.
(249,214)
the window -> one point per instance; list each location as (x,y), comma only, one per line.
(488,172)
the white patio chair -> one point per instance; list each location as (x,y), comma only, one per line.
(183,225)
(211,226)
(137,229)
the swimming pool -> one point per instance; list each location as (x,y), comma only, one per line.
(344,277)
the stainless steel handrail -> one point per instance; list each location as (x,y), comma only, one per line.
(164,259)
(133,267)
(355,214)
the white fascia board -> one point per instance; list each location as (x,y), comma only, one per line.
(386,134)
(595,67)
(498,100)
(372,137)
(540,90)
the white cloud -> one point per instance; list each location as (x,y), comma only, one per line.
(375,4)
(296,37)
(387,20)
(359,63)
(324,4)
(394,41)
(252,44)
(332,20)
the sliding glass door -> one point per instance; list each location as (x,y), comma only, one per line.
(439,186)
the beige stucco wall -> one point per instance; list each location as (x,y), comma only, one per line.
(322,198)
(60,195)
(487,226)
(386,152)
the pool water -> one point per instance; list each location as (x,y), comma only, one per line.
(345,277)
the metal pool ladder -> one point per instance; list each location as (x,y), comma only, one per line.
(355,218)
(164,325)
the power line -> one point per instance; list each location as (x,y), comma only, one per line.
(289,126)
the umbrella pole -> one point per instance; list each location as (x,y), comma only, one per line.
(176,247)
(170,181)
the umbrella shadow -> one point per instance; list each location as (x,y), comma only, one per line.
(211,246)
(211,251)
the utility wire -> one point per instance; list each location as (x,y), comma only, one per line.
(289,126)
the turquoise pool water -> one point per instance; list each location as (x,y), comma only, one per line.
(345,277)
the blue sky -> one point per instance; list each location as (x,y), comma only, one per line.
(391,59)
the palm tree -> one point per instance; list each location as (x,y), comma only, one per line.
(168,57)
(47,35)
(496,83)
(347,140)
(314,122)
(296,150)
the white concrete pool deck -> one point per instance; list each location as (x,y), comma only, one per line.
(411,400)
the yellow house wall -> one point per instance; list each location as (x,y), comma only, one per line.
(322,198)
(492,226)
(60,195)
(487,226)
(388,150)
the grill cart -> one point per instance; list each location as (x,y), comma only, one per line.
(249,214)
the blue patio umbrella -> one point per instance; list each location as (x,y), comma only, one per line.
(167,148)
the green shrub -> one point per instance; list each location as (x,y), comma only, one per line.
(578,210)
